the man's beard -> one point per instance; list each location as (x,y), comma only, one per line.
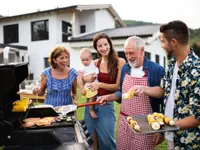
(134,64)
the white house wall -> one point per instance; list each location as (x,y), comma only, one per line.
(75,47)
(87,18)
(103,20)
(67,17)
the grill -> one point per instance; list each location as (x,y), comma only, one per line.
(65,135)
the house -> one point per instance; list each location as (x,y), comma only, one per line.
(74,28)
(149,33)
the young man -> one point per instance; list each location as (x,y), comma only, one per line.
(180,87)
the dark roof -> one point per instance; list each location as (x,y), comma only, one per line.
(39,12)
(120,33)
(14,46)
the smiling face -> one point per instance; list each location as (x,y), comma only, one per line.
(133,55)
(62,60)
(86,58)
(103,47)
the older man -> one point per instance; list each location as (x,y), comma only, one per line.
(180,86)
(138,71)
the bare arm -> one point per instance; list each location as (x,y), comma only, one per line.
(41,90)
(156,91)
(189,122)
(81,82)
(74,91)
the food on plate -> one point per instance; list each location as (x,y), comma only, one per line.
(160,119)
(65,109)
(154,121)
(128,95)
(133,123)
(155,125)
(169,121)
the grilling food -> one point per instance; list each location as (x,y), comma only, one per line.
(46,121)
(158,120)
(128,95)
(20,105)
(169,121)
(133,124)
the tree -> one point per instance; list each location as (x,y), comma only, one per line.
(196,49)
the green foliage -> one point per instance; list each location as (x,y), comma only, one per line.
(196,49)
(130,23)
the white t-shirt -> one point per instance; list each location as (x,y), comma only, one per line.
(137,72)
(91,68)
(169,109)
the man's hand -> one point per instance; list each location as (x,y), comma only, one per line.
(158,138)
(138,90)
(103,99)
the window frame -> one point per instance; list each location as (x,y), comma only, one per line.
(8,30)
(46,21)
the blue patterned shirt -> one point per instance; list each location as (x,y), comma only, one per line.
(59,90)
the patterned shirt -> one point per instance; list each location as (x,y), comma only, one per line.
(59,90)
(187,99)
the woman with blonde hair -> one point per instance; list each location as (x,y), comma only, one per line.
(59,80)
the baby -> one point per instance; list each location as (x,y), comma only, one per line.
(87,67)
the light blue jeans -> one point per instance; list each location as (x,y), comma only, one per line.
(104,125)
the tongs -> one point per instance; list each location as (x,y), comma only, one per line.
(88,104)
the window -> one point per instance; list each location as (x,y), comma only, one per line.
(157,59)
(46,62)
(40,30)
(148,55)
(94,55)
(11,33)
(164,62)
(66,31)
(82,29)
(122,55)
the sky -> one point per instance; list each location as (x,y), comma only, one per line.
(156,11)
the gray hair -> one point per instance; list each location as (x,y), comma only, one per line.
(137,41)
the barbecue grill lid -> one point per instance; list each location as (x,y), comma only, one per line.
(11,76)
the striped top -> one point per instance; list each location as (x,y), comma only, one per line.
(59,90)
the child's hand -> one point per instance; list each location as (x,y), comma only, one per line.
(83,92)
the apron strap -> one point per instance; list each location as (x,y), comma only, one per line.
(123,114)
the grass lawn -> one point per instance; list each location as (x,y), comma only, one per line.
(80,116)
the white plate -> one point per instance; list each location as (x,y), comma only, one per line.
(42,106)
(65,109)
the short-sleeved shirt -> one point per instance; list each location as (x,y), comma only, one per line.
(86,70)
(187,99)
(59,90)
